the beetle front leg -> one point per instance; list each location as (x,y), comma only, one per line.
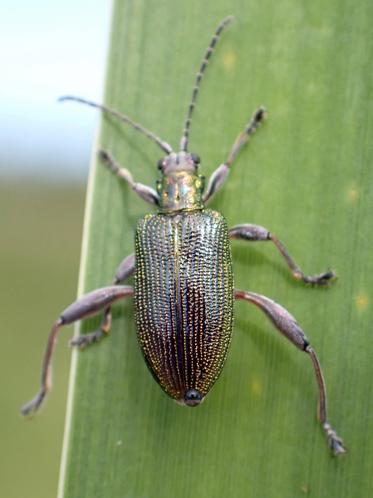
(255,233)
(288,326)
(148,194)
(221,173)
(88,305)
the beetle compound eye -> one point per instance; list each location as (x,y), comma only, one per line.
(196,158)
(160,163)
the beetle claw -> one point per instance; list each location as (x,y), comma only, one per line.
(321,279)
(32,406)
(334,441)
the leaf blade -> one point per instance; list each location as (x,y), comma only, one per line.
(256,434)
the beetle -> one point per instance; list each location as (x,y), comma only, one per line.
(183,282)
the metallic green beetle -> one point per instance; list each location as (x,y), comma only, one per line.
(183,281)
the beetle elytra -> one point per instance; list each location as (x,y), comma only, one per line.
(183,282)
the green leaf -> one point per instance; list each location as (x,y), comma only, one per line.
(306,177)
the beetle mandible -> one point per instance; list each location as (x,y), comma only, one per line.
(183,282)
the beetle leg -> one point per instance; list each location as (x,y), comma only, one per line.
(85,306)
(256,233)
(124,271)
(288,326)
(145,192)
(221,173)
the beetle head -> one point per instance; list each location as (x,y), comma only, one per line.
(179,161)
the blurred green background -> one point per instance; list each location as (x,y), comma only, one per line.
(44,163)
(39,259)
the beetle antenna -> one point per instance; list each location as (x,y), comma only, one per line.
(185,138)
(163,145)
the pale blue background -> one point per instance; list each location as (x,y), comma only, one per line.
(48,49)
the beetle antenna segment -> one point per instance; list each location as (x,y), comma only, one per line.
(162,144)
(185,138)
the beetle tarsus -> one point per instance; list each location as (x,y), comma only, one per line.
(104,155)
(321,279)
(32,406)
(334,441)
(83,341)
(108,160)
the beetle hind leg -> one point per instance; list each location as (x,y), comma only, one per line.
(334,441)
(288,326)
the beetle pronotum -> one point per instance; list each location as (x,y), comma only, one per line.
(183,282)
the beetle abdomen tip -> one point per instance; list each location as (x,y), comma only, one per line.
(192,397)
